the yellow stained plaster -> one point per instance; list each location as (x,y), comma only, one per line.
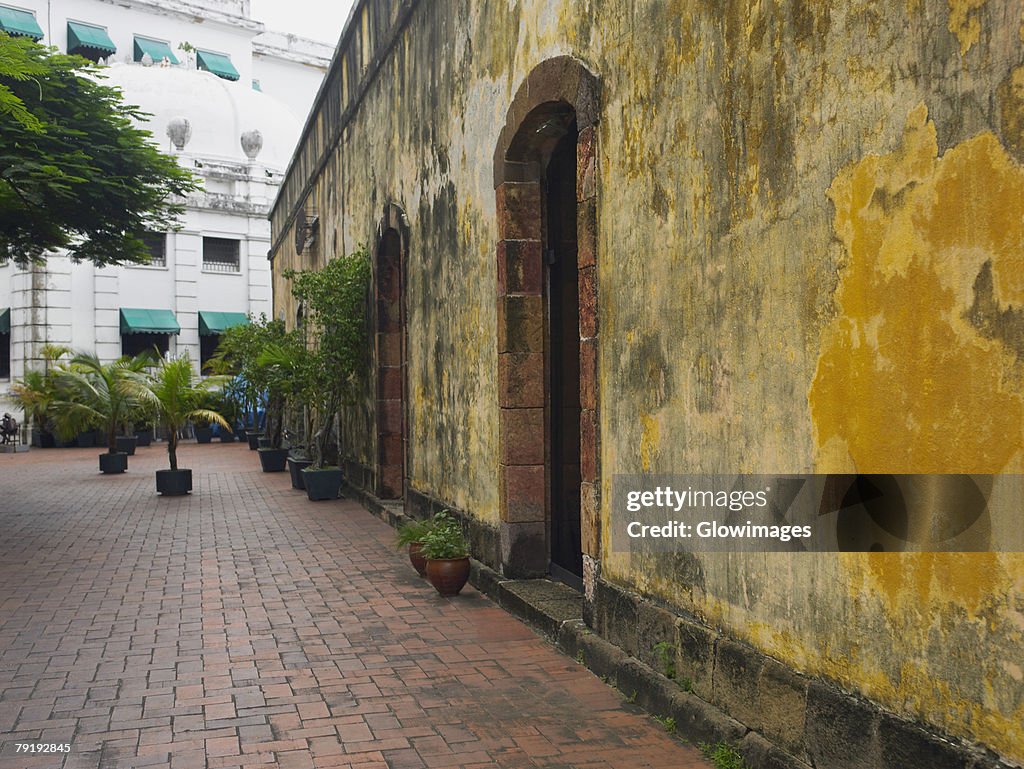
(650,438)
(903,380)
(964,23)
(906,384)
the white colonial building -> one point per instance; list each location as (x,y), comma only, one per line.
(228,99)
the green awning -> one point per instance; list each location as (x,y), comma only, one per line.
(148,322)
(86,37)
(5,321)
(218,64)
(15,21)
(157,50)
(211,323)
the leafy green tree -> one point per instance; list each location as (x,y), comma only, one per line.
(76,173)
(336,301)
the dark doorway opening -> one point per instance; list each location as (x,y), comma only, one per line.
(563,365)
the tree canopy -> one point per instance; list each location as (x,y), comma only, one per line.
(76,172)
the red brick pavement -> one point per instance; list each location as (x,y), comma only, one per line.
(245,626)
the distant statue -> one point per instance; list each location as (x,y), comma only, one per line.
(8,429)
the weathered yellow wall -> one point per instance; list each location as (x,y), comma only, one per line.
(799,204)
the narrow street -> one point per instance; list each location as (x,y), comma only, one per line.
(246,626)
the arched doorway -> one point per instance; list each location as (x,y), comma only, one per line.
(389,282)
(547,325)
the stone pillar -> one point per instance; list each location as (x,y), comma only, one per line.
(521,393)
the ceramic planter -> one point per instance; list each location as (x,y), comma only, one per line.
(113,463)
(126,444)
(86,440)
(254,440)
(448,575)
(273,460)
(295,467)
(322,484)
(226,437)
(144,438)
(417,559)
(173,483)
(204,434)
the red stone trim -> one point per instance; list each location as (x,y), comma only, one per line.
(551,86)
(390,403)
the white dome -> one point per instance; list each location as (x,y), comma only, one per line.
(218,111)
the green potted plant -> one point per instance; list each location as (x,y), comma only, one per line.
(411,533)
(34,394)
(287,370)
(336,299)
(92,394)
(203,428)
(177,396)
(260,386)
(447,554)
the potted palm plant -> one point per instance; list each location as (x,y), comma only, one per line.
(34,393)
(93,394)
(178,396)
(336,340)
(285,365)
(447,554)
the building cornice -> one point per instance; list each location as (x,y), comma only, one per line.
(194,12)
(287,47)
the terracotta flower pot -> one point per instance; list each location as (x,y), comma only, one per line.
(448,575)
(416,558)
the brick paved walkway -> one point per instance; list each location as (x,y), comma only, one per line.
(245,626)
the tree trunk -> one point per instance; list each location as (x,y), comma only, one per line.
(172,448)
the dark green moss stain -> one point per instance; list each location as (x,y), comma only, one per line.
(811,22)
(659,200)
(993,321)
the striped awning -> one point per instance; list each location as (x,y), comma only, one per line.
(84,38)
(212,323)
(217,63)
(134,321)
(158,50)
(15,21)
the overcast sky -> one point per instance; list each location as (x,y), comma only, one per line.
(318,19)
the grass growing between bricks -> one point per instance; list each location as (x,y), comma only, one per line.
(723,756)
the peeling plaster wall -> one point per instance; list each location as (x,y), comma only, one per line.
(809,253)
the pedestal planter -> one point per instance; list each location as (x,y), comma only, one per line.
(173,483)
(254,440)
(417,559)
(322,484)
(448,575)
(295,467)
(127,444)
(204,434)
(113,463)
(273,460)
(144,438)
